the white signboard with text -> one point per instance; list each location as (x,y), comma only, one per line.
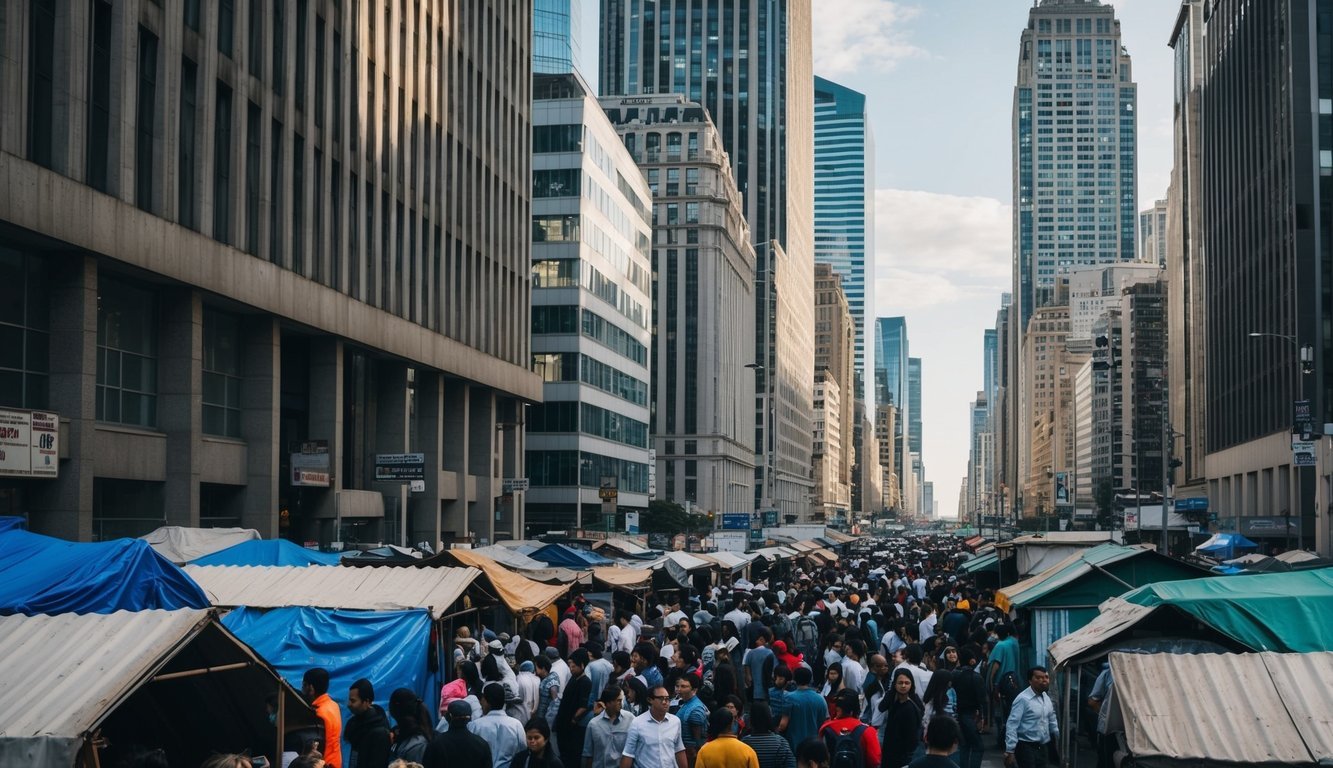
(29,443)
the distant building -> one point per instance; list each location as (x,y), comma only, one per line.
(835,360)
(557,32)
(892,388)
(1153,234)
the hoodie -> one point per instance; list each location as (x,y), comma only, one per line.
(368,735)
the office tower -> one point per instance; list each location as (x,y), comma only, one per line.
(749,64)
(1187,307)
(889,440)
(1048,441)
(267,266)
(1107,467)
(867,489)
(928,493)
(835,394)
(704,268)
(891,385)
(1092,290)
(1267,264)
(845,203)
(591,313)
(1142,355)
(1152,234)
(914,429)
(556,36)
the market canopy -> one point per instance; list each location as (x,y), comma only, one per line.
(138,677)
(565,556)
(1038,551)
(1262,709)
(41,574)
(180,545)
(727,561)
(624,578)
(980,563)
(838,537)
(775,553)
(519,593)
(1094,564)
(629,548)
(330,586)
(268,552)
(1224,546)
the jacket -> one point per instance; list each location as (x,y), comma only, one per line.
(368,735)
(457,747)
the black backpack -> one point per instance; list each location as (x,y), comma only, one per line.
(845,747)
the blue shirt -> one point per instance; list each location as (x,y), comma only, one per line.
(1006,653)
(693,715)
(1031,719)
(806,711)
(777,702)
(652,677)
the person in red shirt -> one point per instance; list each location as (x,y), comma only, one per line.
(846,708)
(315,687)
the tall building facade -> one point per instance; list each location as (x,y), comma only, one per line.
(845,204)
(750,65)
(914,433)
(1045,423)
(1153,234)
(835,372)
(1143,383)
(1268,264)
(703,291)
(269,265)
(592,215)
(556,36)
(892,388)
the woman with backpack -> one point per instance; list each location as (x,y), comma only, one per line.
(902,722)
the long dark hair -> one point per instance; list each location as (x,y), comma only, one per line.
(409,713)
(937,690)
(911,694)
(468,671)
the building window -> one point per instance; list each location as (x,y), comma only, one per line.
(275,228)
(256,39)
(279,51)
(222,166)
(252,138)
(301,7)
(555,273)
(557,138)
(192,14)
(226,23)
(99,97)
(126,354)
(557,228)
(24,333)
(298,204)
(319,72)
(560,182)
(41,94)
(221,374)
(555,366)
(185,156)
(145,117)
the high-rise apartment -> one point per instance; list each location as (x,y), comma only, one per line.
(845,204)
(267,293)
(1266,170)
(749,64)
(835,393)
(556,36)
(591,313)
(1152,234)
(703,294)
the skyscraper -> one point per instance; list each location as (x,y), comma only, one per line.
(556,36)
(914,433)
(749,64)
(891,387)
(845,203)
(1152,234)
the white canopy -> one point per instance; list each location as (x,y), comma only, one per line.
(181,545)
(334,586)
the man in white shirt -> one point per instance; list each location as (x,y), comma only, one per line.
(505,734)
(654,739)
(927,625)
(559,668)
(738,615)
(919,587)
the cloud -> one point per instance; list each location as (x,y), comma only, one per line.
(933,249)
(851,35)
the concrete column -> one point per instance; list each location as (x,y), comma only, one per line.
(456,415)
(64,507)
(180,401)
(326,415)
(481,437)
(391,435)
(424,508)
(261,367)
(512,414)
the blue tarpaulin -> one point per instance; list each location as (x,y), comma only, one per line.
(267,552)
(391,649)
(11,523)
(564,556)
(1224,546)
(41,574)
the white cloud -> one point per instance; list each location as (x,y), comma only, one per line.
(851,35)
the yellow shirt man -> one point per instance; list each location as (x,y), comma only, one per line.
(726,751)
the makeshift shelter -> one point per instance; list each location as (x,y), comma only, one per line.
(727,562)
(565,556)
(180,545)
(135,678)
(521,595)
(1298,556)
(1252,709)
(627,579)
(322,586)
(268,552)
(1036,552)
(626,548)
(1225,546)
(41,574)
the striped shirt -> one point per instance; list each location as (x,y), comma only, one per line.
(772,749)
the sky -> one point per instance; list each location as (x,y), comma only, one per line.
(939,77)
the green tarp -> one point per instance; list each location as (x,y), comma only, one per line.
(1283,612)
(980,563)
(1086,578)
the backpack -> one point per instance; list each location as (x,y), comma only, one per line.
(845,747)
(806,638)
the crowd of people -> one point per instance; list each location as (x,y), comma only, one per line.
(890,659)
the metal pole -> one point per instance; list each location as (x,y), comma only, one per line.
(1165,547)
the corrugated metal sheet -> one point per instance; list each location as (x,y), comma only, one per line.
(64,672)
(181,545)
(1075,566)
(364,589)
(1116,616)
(1254,708)
(727,560)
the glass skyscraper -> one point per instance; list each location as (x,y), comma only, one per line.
(891,387)
(556,30)
(844,202)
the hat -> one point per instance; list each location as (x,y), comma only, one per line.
(854,599)
(488,635)
(552,654)
(459,710)
(526,667)
(496,645)
(504,637)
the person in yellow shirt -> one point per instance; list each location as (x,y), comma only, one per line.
(315,687)
(724,750)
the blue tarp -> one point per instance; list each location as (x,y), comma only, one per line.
(564,556)
(1224,546)
(11,523)
(41,574)
(267,552)
(389,648)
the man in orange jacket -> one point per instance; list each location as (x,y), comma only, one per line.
(315,687)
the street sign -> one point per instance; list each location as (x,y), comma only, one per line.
(1197,504)
(310,470)
(632,523)
(756,534)
(770,517)
(400,467)
(512,484)
(607,490)
(29,443)
(1302,453)
(735,521)
(416,486)
(1302,420)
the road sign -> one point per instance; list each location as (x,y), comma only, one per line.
(1197,504)
(1302,420)
(400,467)
(1302,453)
(770,517)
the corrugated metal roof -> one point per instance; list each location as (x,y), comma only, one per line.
(1253,708)
(67,670)
(1116,616)
(775,553)
(1064,538)
(1075,566)
(334,586)
(980,563)
(728,560)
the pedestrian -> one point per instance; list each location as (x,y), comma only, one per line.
(539,752)
(411,732)
(1098,701)
(845,734)
(1002,676)
(725,680)
(315,688)
(942,738)
(777,697)
(724,750)
(644,661)
(569,726)
(902,722)
(529,687)
(367,731)
(970,707)
(654,739)
(772,748)
(806,709)
(1030,733)
(501,730)
(636,696)
(692,713)
(605,740)
(833,682)
(457,745)
(875,690)
(812,753)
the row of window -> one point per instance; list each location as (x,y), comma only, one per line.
(570,366)
(580,468)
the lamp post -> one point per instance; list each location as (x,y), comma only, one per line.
(1305,354)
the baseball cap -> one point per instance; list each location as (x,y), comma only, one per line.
(459,710)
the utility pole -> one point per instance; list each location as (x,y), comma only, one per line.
(1166,466)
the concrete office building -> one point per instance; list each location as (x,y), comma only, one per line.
(835,360)
(867,485)
(1267,210)
(704,269)
(591,313)
(1093,290)
(557,32)
(845,205)
(249,247)
(1142,356)
(749,64)
(1153,234)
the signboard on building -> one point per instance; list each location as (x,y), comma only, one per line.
(1302,418)
(310,470)
(1194,504)
(632,523)
(652,473)
(513,484)
(770,517)
(607,488)
(1302,453)
(1270,526)
(29,443)
(1062,489)
(400,467)
(735,521)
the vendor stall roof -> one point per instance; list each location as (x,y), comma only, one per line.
(685,560)
(268,552)
(727,561)
(980,563)
(1087,561)
(565,556)
(1237,709)
(330,586)
(521,594)
(775,553)
(180,545)
(625,578)
(838,537)
(630,548)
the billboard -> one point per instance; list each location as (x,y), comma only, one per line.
(29,443)
(736,521)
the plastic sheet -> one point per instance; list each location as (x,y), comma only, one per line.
(268,552)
